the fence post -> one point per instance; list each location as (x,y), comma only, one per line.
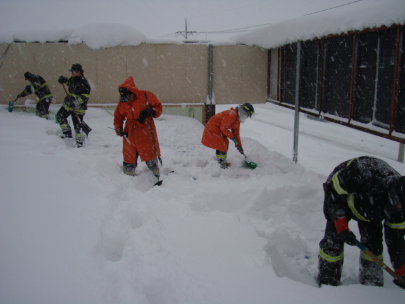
(401,152)
(297,103)
(210,71)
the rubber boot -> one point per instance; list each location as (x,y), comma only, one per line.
(370,273)
(128,169)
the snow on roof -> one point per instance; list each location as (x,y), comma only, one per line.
(95,35)
(354,17)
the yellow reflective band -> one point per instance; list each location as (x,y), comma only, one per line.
(221,156)
(71,109)
(329,258)
(348,164)
(336,184)
(395,226)
(47,96)
(350,202)
(367,257)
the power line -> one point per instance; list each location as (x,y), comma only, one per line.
(332,8)
(244,29)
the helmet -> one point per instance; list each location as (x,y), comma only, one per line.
(125,94)
(248,108)
(27,75)
(76,67)
(396,195)
(244,111)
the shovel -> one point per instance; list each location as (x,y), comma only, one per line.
(398,280)
(251,165)
(149,119)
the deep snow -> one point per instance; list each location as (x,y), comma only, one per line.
(75,229)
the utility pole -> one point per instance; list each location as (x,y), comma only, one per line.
(185,32)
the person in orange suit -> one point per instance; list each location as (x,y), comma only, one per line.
(137,108)
(224,126)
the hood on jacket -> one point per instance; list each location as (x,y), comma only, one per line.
(130,85)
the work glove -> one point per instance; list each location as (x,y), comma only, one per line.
(348,237)
(344,233)
(62,79)
(119,131)
(146,113)
(396,282)
(240,149)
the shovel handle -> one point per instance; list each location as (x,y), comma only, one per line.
(379,262)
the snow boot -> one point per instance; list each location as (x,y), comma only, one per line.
(128,169)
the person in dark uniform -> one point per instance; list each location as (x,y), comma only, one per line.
(40,88)
(371,192)
(76,101)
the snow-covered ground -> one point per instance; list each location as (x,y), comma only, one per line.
(75,229)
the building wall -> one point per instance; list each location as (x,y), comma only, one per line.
(174,73)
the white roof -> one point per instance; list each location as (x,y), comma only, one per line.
(342,19)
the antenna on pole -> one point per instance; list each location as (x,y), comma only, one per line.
(186,27)
(185,32)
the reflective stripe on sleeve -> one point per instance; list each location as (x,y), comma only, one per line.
(336,184)
(350,202)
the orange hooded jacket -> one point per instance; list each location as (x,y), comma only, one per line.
(139,135)
(219,128)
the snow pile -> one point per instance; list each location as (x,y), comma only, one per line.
(75,229)
(103,35)
(357,16)
(95,35)
(36,35)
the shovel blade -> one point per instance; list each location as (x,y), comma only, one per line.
(251,165)
(86,129)
(11,106)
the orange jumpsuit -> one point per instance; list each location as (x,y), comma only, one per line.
(139,139)
(219,128)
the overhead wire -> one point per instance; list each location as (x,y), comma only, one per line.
(245,29)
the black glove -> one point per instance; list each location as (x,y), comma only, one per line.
(348,237)
(62,79)
(398,283)
(119,132)
(240,149)
(146,113)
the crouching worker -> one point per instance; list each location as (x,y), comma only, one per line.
(369,191)
(137,108)
(224,126)
(39,87)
